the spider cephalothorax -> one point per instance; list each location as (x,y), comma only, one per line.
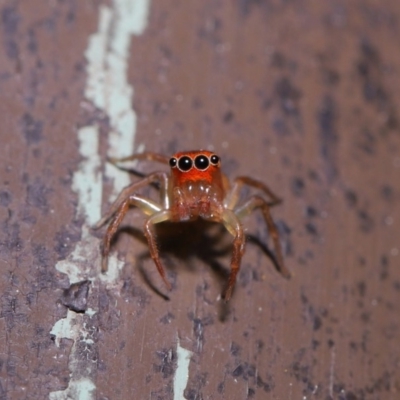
(195,188)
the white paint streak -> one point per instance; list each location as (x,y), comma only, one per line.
(64,328)
(87,181)
(182,371)
(114,267)
(107,86)
(80,389)
(108,89)
(72,327)
(332,372)
(90,312)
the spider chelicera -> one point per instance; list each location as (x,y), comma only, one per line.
(195,187)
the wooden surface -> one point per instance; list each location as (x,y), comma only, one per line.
(303,95)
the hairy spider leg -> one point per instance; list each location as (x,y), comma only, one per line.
(258,202)
(234,227)
(232,197)
(147,206)
(148,155)
(160,216)
(128,198)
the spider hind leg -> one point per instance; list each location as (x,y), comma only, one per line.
(258,202)
(233,225)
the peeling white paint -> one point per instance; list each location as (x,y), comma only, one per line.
(107,85)
(114,267)
(90,312)
(81,389)
(87,180)
(182,371)
(72,327)
(65,328)
(332,372)
(87,183)
(107,88)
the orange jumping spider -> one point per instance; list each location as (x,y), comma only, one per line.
(195,187)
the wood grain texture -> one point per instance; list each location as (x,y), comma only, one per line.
(303,95)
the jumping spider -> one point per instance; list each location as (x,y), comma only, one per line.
(195,187)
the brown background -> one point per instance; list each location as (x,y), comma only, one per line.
(301,94)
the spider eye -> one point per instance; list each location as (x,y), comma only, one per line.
(172,162)
(201,162)
(214,159)
(185,163)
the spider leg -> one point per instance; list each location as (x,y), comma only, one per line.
(151,239)
(233,225)
(161,177)
(232,197)
(258,202)
(147,206)
(148,156)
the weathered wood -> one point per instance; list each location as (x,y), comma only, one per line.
(302,95)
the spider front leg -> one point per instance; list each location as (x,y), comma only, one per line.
(148,156)
(233,196)
(161,177)
(126,199)
(147,206)
(233,225)
(149,233)
(258,202)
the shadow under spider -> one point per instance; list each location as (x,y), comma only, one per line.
(186,241)
(264,248)
(202,239)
